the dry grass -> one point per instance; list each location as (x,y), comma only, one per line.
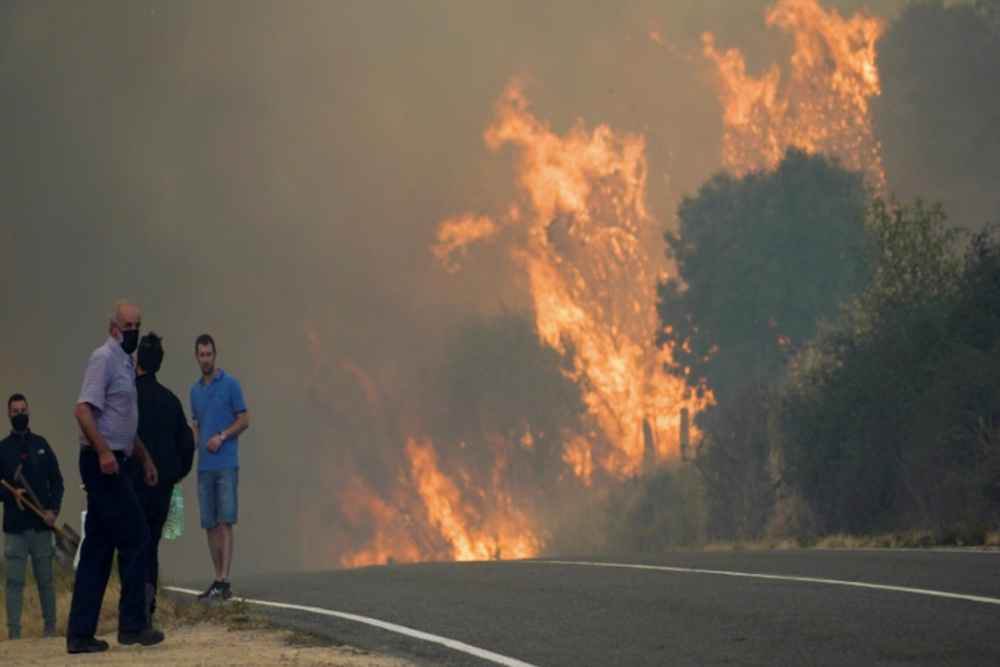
(31,614)
(193,632)
(170,611)
(907,539)
(771,544)
(911,539)
(199,646)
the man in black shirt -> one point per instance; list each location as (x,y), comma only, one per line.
(164,431)
(25,533)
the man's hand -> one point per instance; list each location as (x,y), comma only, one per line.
(18,497)
(152,476)
(109,464)
(214,443)
(49,518)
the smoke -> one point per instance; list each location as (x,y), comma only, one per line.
(274,174)
(937,116)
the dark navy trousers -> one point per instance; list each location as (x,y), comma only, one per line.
(155,503)
(115,522)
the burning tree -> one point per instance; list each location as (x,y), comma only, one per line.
(819,102)
(585,239)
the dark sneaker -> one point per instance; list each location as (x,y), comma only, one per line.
(85,645)
(211,592)
(226,591)
(146,637)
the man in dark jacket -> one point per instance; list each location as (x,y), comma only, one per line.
(25,456)
(164,431)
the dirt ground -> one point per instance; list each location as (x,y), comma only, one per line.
(212,645)
(216,636)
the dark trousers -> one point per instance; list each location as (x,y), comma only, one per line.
(155,503)
(114,522)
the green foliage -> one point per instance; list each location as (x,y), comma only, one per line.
(913,259)
(760,259)
(889,420)
(936,118)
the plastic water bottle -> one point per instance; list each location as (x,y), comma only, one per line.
(174,526)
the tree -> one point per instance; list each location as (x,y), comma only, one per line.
(937,115)
(869,416)
(759,260)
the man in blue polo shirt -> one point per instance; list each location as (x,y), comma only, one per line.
(220,416)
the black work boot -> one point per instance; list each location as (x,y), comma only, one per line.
(147,637)
(85,645)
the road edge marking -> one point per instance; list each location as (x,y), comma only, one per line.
(453,644)
(780,577)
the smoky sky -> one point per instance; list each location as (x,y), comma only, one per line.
(258,170)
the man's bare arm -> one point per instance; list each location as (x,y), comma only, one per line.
(141,455)
(140,452)
(84,414)
(85,418)
(241,424)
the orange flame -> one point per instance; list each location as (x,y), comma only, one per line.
(391,535)
(819,102)
(591,255)
(576,454)
(421,508)
(505,532)
(454,235)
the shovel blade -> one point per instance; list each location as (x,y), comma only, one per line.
(72,536)
(67,542)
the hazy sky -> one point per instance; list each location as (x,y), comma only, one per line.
(252,169)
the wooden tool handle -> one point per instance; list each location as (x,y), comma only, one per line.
(31,506)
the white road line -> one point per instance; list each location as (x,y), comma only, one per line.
(782,577)
(453,644)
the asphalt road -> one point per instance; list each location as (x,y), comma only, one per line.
(554,614)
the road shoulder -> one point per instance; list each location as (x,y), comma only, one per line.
(208,643)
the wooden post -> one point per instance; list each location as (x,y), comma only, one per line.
(685,433)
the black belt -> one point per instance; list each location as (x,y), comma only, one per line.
(119,454)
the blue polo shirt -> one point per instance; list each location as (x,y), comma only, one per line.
(215,407)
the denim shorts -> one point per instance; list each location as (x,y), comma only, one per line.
(217,496)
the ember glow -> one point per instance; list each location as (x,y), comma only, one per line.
(590,250)
(819,102)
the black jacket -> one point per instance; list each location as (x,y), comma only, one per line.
(40,468)
(164,430)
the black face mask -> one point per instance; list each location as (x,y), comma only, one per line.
(19,422)
(130,340)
